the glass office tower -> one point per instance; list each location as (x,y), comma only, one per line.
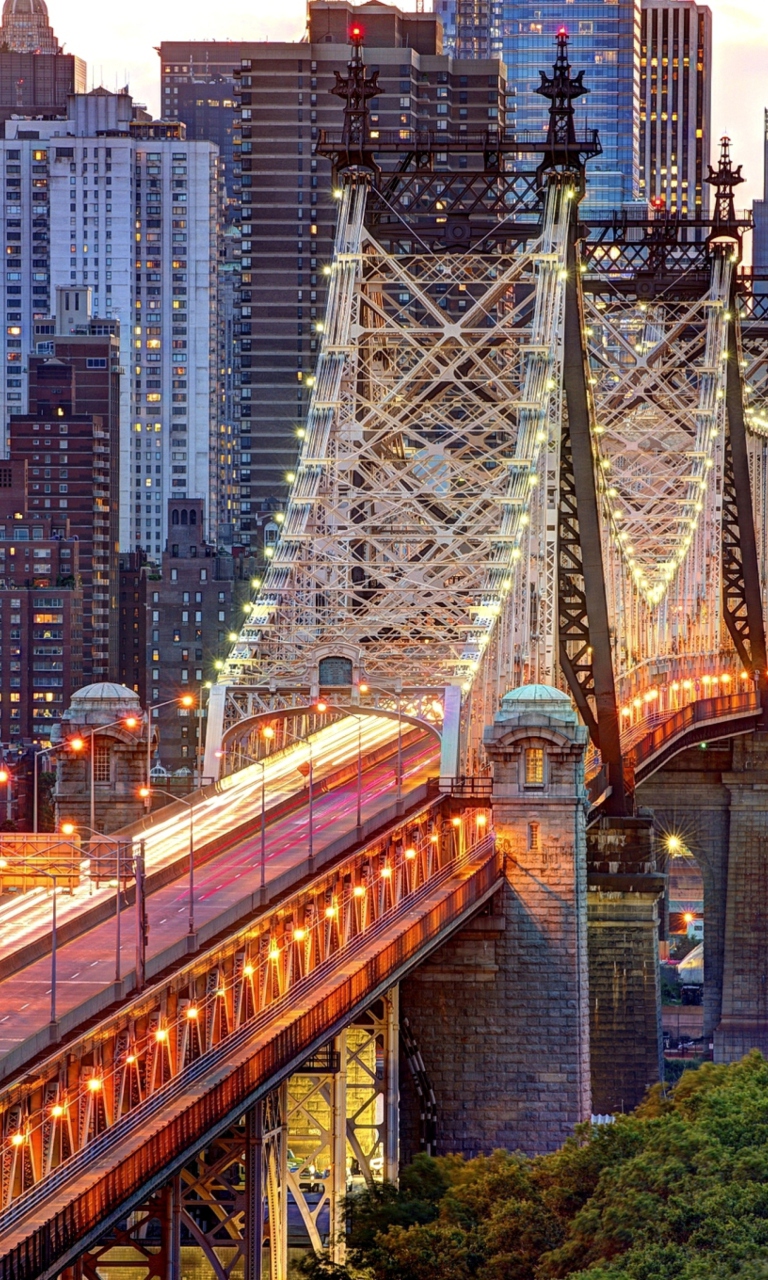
(604,41)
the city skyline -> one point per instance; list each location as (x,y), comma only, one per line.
(740,54)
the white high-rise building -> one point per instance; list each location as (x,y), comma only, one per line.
(126,206)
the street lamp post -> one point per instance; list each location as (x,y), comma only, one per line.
(184,700)
(5,777)
(68,828)
(73,744)
(268,733)
(190,807)
(53,876)
(263,767)
(53,954)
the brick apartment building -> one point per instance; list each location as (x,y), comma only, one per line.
(191,608)
(70,441)
(41,608)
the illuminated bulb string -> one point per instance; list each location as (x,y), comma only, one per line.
(257,973)
(661,596)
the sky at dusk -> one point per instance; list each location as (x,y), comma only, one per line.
(117,43)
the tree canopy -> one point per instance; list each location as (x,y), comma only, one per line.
(678,1189)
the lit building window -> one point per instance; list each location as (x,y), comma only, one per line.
(534,766)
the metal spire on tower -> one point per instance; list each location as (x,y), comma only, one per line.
(562,147)
(356,88)
(724,179)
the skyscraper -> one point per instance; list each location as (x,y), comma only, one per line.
(605,44)
(41,602)
(675,89)
(197,86)
(760,216)
(70,438)
(123,205)
(35,74)
(26,28)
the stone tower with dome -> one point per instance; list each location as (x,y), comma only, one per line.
(26,27)
(119,760)
(513,987)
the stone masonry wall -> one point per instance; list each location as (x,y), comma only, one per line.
(625,1008)
(689,799)
(744,1021)
(499,1015)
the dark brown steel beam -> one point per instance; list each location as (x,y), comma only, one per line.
(579,423)
(741,499)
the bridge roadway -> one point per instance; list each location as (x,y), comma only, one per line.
(219,808)
(284,995)
(86,966)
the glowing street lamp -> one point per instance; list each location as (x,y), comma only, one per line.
(183,700)
(146,793)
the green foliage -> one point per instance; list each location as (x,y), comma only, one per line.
(674,1068)
(678,1189)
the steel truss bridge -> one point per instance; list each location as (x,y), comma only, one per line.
(536,451)
(530,453)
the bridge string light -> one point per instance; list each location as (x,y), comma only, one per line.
(206,1007)
(652,574)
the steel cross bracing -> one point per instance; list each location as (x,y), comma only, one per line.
(658,372)
(425,457)
(279,1175)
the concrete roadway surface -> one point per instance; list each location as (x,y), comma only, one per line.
(87,964)
(236,800)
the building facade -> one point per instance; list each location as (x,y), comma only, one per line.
(604,42)
(191,610)
(41,614)
(36,76)
(132,642)
(760,216)
(69,439)
(26,28)
(114,202)
(197,87)
(675,104)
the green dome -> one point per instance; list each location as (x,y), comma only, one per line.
(534,693)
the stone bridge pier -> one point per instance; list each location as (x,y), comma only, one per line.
(715,798)
(546,1006)
(500,1013)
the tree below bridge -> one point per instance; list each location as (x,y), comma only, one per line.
(678,1189)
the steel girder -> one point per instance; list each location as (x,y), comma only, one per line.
(437,393)
(658,371)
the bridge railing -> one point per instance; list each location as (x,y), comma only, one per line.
(155,1055)
(705,711)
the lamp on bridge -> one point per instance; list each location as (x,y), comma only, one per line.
(146,794)
(185,700)
(69,829)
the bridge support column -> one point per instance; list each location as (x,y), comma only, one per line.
(744,1020)
(254,1192)
(275,1140)
(174,1241)
(624,990)
(500,1014)
(339,1151)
